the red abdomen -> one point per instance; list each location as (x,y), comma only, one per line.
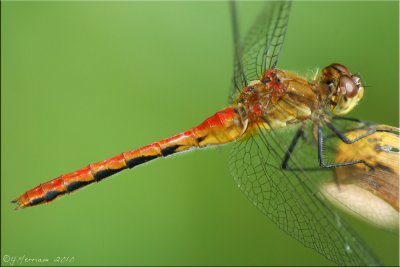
(223,127)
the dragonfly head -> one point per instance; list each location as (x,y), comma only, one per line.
(342,89)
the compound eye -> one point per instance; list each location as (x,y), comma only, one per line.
(340,68)
(356,79)
(348,86)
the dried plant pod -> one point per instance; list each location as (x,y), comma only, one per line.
(370,193)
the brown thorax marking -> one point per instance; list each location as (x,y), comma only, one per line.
(259,93)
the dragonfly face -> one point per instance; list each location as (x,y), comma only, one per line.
(342,88)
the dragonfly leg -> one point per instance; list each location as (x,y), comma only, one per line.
(346,119)
(339,164)
(365,125)
(293,144)
(350,141)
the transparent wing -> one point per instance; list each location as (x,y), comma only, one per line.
(260,49)
(291,198)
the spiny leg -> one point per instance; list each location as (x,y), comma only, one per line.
(339,164)
(346,119)
(299,133)
(345,138)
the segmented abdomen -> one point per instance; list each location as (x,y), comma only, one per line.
(223,127)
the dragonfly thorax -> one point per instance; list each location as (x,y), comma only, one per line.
(279,98)
(259,94)
(341,89)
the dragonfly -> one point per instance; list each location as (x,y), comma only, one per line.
(274,118)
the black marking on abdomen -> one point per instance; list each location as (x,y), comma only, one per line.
(38,201)
(139,160)
(169,150)
(200,139)
(100,175)
(76,185)
(52,194)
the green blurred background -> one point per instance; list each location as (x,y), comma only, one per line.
(82,81)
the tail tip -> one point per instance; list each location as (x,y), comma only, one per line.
(19,204)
